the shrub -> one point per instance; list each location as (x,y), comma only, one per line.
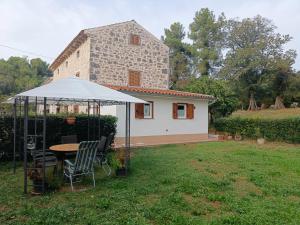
(56,127)
(287,130)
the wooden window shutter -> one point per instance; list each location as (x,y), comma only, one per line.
(134,78)
(135,39)
(190,111)
(139,111)
(175,108)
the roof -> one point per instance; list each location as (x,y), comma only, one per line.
(82,37)
(160,92)
(76,89)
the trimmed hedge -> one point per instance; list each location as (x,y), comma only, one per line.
(56,127)
(287,130)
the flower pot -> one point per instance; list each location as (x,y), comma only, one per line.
(260,141)
(71,120)
(238,137)
(121,172)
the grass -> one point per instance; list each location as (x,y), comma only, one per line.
(269,113)
(207,183)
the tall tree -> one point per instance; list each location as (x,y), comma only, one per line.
(252,46)
(207,34)
(179,53)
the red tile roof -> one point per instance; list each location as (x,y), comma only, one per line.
(160,92)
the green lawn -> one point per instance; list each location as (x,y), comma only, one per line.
(207,183)
(269,113)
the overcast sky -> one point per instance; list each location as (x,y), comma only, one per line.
(45,27)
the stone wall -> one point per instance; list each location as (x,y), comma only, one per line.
(112,56)
(76,64)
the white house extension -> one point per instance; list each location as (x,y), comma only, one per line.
(128,58)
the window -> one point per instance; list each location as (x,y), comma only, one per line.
(77,74)
(144,111)
(67,64)
(135,39)
(66,109)
(134,78)
(57,71)
(76,108)
(78,54)
(57,109)
(183,111)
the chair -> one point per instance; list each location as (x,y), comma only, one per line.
(69,139)
(83,164)
(101,156)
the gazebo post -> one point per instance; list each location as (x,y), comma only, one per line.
(127,136)
(99,122)
(44,142)
(88,120)
(25,142)
(15,130)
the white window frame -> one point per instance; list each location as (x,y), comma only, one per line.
(185,109)
(150,110)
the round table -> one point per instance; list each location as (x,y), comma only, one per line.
(65,148)
(62,149)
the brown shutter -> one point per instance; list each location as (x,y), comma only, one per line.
(134,78)
(139,111)
(190,111)
(175,108)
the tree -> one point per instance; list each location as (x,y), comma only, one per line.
(179,54)
(19,74)
(226,101)
(207,34)
(252,46)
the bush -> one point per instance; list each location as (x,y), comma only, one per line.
(56,127)
(287,130)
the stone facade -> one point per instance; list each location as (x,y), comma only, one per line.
(107,55)
(112,56)
(76,64)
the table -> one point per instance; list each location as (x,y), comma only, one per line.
(62,149)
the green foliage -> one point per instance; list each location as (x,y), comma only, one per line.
(19,74)
(226,102)
(179,53)
(56,127)
(207,34)
(287,130)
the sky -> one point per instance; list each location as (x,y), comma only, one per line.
(43,28)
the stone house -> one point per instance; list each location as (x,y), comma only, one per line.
(128,58)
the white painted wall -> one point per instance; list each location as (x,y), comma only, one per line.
(163,122)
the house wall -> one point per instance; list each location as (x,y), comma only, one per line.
(76,64)
(163,122)
(112,56)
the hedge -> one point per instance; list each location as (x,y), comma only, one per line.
(56,127)
(287,130)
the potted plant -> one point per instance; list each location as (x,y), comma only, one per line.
(259,137)
(71,119)
(118,163)
(237,136)
(35,174)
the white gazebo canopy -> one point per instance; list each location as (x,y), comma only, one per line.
(74,89)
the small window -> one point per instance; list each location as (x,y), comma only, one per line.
(134,78)
(144,111)
(135,39)
(57,109)
(76,108)
(181,111)
(78,74)
(67,64)
(57,71)
(66,109)
(78,54)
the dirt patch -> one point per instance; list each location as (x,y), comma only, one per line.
(294,198)
(151,199)
(216,204)
(188,198)
(3,208)
(243,187)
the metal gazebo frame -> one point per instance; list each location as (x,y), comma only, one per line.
(25,102)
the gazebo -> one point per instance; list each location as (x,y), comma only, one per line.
(70,90)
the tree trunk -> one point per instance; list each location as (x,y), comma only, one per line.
(252,103)
(278,103)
